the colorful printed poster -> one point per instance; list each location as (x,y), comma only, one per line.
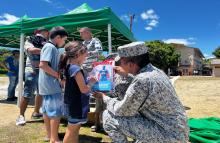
(104,73)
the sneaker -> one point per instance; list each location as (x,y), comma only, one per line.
(10,99)
(95,128)
(20,121)
(15,98)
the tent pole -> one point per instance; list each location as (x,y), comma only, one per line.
(21,69)
(109,39)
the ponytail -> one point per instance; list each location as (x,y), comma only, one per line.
(62,65)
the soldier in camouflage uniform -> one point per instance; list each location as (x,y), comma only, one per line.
(94,47)
(150,110)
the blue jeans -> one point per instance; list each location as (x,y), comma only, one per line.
(31,83)
(13,81)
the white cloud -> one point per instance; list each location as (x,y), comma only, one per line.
(153,23)
(149,14)
(6,19)
(144,16)
(207,56)
(150,11)
(48,1)
(151,18)
(148,28)
(187,41)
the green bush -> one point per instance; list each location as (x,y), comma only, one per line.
(3,71)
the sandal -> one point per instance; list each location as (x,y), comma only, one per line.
(36,116)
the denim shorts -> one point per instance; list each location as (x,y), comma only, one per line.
(74,121)
(31,83)
(52,105)
(71,120)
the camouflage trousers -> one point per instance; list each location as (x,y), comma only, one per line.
(136,127)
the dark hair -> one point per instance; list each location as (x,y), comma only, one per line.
(40,29)
(72,51)
(15,52)
(141,60)
(58,31)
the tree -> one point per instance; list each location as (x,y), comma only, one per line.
(3,54)
(163,55)
(217,52)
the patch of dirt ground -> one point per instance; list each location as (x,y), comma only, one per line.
(200,94)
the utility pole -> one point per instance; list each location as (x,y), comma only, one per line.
(131,20)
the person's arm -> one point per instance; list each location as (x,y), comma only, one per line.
(44,66)
(129,106)
(81,83)
(4,65)
(33,50)
(119,70)
(29,47)
(46,56)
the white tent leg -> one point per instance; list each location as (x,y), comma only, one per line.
(21,69)
(109,39)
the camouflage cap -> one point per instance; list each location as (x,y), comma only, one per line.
(132,49)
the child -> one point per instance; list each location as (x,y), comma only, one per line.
(49,86)
(76,97)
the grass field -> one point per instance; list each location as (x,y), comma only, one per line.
(34,132)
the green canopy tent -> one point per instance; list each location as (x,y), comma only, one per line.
(98,20)
(104,24)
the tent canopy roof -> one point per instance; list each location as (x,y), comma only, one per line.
(82,16)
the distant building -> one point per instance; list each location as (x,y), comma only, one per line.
(215,63)
(190,61)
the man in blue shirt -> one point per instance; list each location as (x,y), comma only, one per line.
(11,64)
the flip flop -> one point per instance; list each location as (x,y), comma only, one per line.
(36,116)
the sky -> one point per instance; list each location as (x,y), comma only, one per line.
(195,23)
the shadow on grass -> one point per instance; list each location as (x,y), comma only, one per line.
(187,108)
(84,138)
(35,121)
(4,101)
